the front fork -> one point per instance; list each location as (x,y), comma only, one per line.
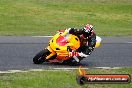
(52,53)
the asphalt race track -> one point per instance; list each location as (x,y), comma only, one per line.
(16,53)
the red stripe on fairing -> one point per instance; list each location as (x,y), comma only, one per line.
(61,41)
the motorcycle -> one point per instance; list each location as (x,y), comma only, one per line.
(59,47)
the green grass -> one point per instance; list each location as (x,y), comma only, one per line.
(44,17)
(57,79)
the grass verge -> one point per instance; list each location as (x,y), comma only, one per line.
(58,79)
(44,17)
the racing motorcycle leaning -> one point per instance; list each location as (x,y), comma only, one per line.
(59,47)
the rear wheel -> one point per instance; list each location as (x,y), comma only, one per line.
(40,57)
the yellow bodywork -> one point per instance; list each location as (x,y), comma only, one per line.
(72,41)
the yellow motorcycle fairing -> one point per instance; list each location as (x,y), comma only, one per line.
(60,43)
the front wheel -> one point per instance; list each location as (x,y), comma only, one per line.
(40,57)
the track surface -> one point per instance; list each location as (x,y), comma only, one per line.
(16,53)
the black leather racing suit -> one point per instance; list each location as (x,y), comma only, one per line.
(88,41)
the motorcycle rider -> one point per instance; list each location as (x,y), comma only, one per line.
(88,40)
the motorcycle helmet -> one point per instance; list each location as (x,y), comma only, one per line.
(88,29)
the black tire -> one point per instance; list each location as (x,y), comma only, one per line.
(40,57)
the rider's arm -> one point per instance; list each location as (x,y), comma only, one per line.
(75,31)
